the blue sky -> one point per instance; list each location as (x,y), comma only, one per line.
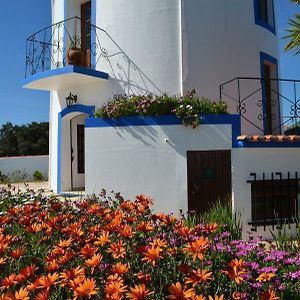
(21,18)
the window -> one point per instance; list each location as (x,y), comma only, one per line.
(264,14)
(274,200)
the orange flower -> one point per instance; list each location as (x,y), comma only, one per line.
(43,295)
(126,231)
(17,253)
(152,254)
(114,288)
(103,239)
(64,243)
(269,295)
(117,249)
(265,277)
(145,227)
(86,289)
(120,268)
(72,273)
(52,266)
(179,293)
(198,276)
(236,270)
(182,230)
(157,242)
(216,297)
(197,248)
(8,281)
(88,251)
(2,261)
(94,261)
(211,228)
(237,296)
(139,292)
(22,294)
(143,277)
(48,281)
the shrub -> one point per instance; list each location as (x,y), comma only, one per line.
(3,178)
(37,175)
(188,107)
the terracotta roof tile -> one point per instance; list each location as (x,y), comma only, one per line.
(269,138)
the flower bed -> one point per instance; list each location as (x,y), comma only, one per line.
(188,107)
(104,248)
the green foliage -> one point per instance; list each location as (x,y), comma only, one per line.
(219,213)
(294,32)
(37,175)
(293,35)
(188,107)
(284,238)
(30,139)
(3,178)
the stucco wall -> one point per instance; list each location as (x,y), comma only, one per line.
(258,160)
(25,164)
(148,159)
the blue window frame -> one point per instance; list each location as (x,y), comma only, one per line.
(264,14)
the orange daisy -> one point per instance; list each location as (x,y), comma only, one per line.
(197,248)
(86,289)
(177,292)
(139,292)
(152,254)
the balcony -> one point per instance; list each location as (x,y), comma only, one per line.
(266,106)
(66,54)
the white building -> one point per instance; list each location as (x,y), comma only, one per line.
(158,46)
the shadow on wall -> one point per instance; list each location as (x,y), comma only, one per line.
(110,57)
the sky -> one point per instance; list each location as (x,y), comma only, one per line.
(20,18)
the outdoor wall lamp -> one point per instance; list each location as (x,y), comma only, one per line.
(71,99)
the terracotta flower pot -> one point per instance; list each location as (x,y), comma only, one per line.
(74,56)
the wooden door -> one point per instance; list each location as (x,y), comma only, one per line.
(209,178)
(86,34)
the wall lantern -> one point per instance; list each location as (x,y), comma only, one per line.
(71,99)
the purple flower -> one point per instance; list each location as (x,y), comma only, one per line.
(269,269)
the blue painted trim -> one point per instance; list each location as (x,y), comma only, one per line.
(261,22)
(65,70)
(65,39)
(248,144)
(268,58)
(90,110)
(93,32)
(234,120)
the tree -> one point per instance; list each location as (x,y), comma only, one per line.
(294,32)
(30,139)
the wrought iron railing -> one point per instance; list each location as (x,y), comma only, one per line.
(63,43)
(51,48)
(266,106)
(274,199)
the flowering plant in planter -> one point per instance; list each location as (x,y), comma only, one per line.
(188,107)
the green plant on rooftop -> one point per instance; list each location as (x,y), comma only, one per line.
(187,107)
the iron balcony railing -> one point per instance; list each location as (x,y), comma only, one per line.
(71,41)
(266,106)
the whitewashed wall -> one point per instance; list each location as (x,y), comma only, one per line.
(148,159)
(258,160)
(25,164)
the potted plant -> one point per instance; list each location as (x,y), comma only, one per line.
(74,55)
